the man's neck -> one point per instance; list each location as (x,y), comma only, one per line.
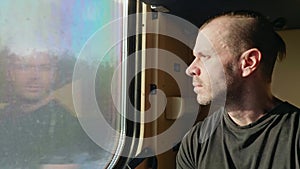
(250,108)
(245,117)
(30,106)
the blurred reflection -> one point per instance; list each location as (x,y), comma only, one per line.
(37,130)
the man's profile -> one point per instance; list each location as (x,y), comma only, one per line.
(255,129)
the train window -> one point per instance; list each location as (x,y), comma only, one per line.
(60,75)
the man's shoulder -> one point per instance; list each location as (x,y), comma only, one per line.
(287,109)
(193,141)
(203,130)
(55,108)
(291,106)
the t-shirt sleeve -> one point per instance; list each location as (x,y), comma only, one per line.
(187,154)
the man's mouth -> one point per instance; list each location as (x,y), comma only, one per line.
(33,88)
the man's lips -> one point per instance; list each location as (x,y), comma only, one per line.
(197,87)
(197,84)
(33,88)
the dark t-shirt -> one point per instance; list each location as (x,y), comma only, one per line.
(272,142)
(48,135)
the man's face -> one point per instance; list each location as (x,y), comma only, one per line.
(31,76)
(214,68)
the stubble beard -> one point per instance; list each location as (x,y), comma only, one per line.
(204,101)
(234,87)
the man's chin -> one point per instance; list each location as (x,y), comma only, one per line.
(32,98)
(203,102)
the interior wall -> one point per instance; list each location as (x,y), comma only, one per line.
(165,81)
(286,79)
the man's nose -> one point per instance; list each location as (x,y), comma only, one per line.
(34,73)
(193,70)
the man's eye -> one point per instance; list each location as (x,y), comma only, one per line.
(21,66)
(45,68)
(204,57)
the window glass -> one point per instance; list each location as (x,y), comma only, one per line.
(40,44)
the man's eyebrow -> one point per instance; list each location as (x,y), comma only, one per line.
(198,53)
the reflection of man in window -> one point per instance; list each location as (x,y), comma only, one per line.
(36,129)
(31,78)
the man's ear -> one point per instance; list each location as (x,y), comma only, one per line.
(9,75)
(54,76)
(250,61)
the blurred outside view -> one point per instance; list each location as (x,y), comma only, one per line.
(39,45)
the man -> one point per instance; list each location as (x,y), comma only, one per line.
(31,78)
(252,129)
(36,130)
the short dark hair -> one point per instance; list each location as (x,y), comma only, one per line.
(250,29)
